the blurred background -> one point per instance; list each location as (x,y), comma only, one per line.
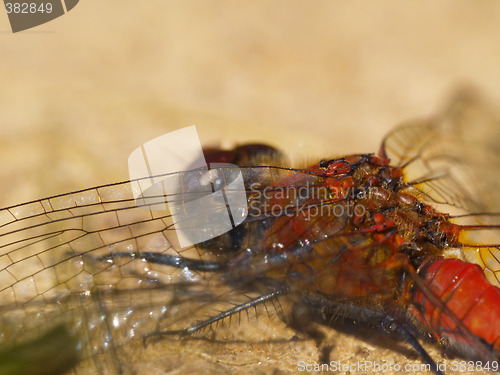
(316,78)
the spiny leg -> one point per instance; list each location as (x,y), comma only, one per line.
(390,325)
(266,297)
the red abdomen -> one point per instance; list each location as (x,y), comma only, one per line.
(467,294)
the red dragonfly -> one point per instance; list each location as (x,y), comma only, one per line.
(406,240)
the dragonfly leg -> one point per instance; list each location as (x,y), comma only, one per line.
(169,260)
(300,318)
(412,340)
(224,314)
(389,324)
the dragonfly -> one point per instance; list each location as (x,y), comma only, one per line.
(406,240)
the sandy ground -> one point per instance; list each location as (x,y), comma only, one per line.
(317,78)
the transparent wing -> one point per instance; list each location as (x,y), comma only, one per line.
(113,270)
(453,160)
